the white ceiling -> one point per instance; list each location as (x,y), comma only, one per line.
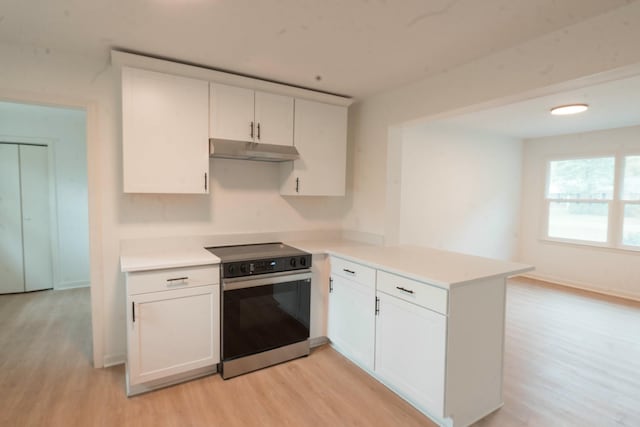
(356,47)
(611,105)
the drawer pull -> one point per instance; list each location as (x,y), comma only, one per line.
(177,281)
(346,270)
(400,288)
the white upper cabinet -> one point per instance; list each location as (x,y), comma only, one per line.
(241,114)
(231,114)
(165,120)
(321,139)
(274,118)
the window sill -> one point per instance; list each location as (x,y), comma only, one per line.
(588,245)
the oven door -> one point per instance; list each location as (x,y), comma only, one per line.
(264,312)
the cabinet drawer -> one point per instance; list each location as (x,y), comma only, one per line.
(140,282)
(419,293)
(353,270)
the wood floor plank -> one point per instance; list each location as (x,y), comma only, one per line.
(572,358)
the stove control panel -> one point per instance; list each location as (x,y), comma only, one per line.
(264,266)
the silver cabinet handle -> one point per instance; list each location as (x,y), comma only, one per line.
(177,281)
(346,270)
(400,288)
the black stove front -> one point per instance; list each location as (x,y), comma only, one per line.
(265,305)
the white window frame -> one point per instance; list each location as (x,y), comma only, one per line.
(615,216)
(622,203)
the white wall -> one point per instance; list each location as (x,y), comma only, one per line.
(460,191)
(65,130)
(245,198)
(611,271)
(603,43)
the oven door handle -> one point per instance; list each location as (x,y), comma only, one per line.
(233,284)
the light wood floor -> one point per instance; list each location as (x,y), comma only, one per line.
(572,359)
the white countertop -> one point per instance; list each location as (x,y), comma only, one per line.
(441,268)
(156,260)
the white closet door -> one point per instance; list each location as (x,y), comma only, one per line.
(34,179)
(11,267)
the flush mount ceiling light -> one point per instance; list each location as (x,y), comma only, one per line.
(563,110)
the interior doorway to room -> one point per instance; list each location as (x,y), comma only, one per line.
(44,225)
(44,230)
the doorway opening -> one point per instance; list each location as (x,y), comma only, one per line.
(44,214)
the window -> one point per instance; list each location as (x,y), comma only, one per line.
(631,201)
(583,204)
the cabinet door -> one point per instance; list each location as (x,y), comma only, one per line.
(352,320)
(165,122)
(11,264)
(171,332)
(320,136)
(410,352)
(231,113)
(274,119)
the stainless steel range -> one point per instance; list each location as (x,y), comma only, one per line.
(266,291)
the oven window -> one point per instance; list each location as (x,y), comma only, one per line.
(262,318)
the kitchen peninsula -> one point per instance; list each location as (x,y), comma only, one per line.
(427,323)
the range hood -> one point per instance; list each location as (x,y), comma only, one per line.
(241,150)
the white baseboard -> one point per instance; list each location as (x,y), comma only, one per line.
(113,360)
(582,286)
(71,285)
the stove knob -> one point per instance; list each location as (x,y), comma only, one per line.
(303,261)
(231,269)
(243,268)
(292,262)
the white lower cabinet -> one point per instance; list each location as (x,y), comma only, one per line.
(351,326)
(173,330)
(410,351)
(440,349)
